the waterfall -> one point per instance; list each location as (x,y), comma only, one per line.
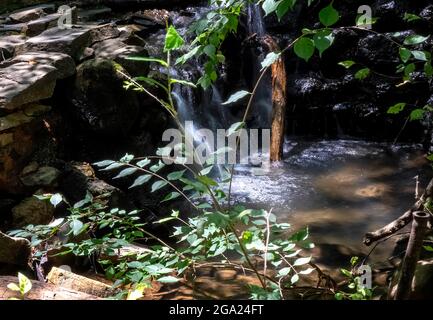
(205,109)
(255,20)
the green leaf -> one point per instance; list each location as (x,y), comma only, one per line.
(408,70)
(76,227)
(188,55)
(421,55)
(301,261)
(362,74)
(158,185)
(235,127)
(283,7)
(410,17)
(294,279)
(176,175)
(56,199)
(148,59)
(347,64)
(104,163)
(415,39)
(125,173)
(323,40)
(405,54)
(304,48)
(329,16)
(168,279)
(113,166)
(207,181)
(270,6)
(428,69)
(347,273)
(210,51)
(428,248)
(173,40)
(237,96)
(185,83)
(13,287)
(338,296)
(155,168)
(171,196)
(24,283)
(284,271)
(417,114)
(143,163)
(307,271)
(397,108)
(270,59)
(141,180)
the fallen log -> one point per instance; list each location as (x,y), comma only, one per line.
(279,95)
(42,291)
(402,221)
(69,280)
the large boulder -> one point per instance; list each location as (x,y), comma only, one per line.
(23,83)
(32,211)
(118,51)
(8,44)
(99,100)
(64,64)
(14,250)
(41,177)
(69,41)
(31,13)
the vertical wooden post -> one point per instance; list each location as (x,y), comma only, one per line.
(419,226)
(279,96)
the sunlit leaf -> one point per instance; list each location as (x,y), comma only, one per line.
(236,96)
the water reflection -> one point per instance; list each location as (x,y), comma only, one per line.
(340,189)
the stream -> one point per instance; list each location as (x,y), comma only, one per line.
(340,189)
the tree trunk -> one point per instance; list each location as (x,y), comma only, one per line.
(42,291)
(279,97)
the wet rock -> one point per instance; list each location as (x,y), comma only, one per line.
(151,20)
(32,211)
(14,250)
(427,13)
(128,35)
(115,49)
(100,101)
(42,177)
(377,50)
(69,41)
(64,64)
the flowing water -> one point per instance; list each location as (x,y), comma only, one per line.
(341,189)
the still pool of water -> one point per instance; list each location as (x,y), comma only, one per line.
(340,189)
